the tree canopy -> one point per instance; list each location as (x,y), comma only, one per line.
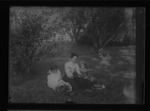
(94,26)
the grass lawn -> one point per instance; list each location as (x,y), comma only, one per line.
(34,89)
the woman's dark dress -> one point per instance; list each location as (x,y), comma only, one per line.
(78,83)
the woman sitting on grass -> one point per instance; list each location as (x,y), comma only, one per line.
(74,76)
(55,79)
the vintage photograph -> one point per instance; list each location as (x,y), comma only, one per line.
(82,55)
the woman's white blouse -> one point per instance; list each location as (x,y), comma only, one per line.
(70,68)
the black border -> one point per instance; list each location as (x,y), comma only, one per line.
(140,50)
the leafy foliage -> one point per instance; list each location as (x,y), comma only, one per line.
(103,25)
(31,28)
(25,42)
(94,26)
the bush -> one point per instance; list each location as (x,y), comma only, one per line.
(25,42)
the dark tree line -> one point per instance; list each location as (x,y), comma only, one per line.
(96,26)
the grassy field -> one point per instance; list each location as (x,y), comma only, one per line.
(116,76)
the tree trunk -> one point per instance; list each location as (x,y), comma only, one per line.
(28,68)
(71,36)
(113,35)
(96,46)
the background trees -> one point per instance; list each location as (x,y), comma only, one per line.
(26,39)
(95,26)
(32,28)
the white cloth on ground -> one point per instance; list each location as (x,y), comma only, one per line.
(55,80)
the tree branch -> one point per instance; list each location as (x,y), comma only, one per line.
(111,37)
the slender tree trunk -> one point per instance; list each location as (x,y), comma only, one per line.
(28,67)
(71,36)
(28,70)
(96,46)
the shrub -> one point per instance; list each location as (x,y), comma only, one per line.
(25,42)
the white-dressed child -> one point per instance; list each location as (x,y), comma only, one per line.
(55,79)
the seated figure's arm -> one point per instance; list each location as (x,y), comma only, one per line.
(78,70)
